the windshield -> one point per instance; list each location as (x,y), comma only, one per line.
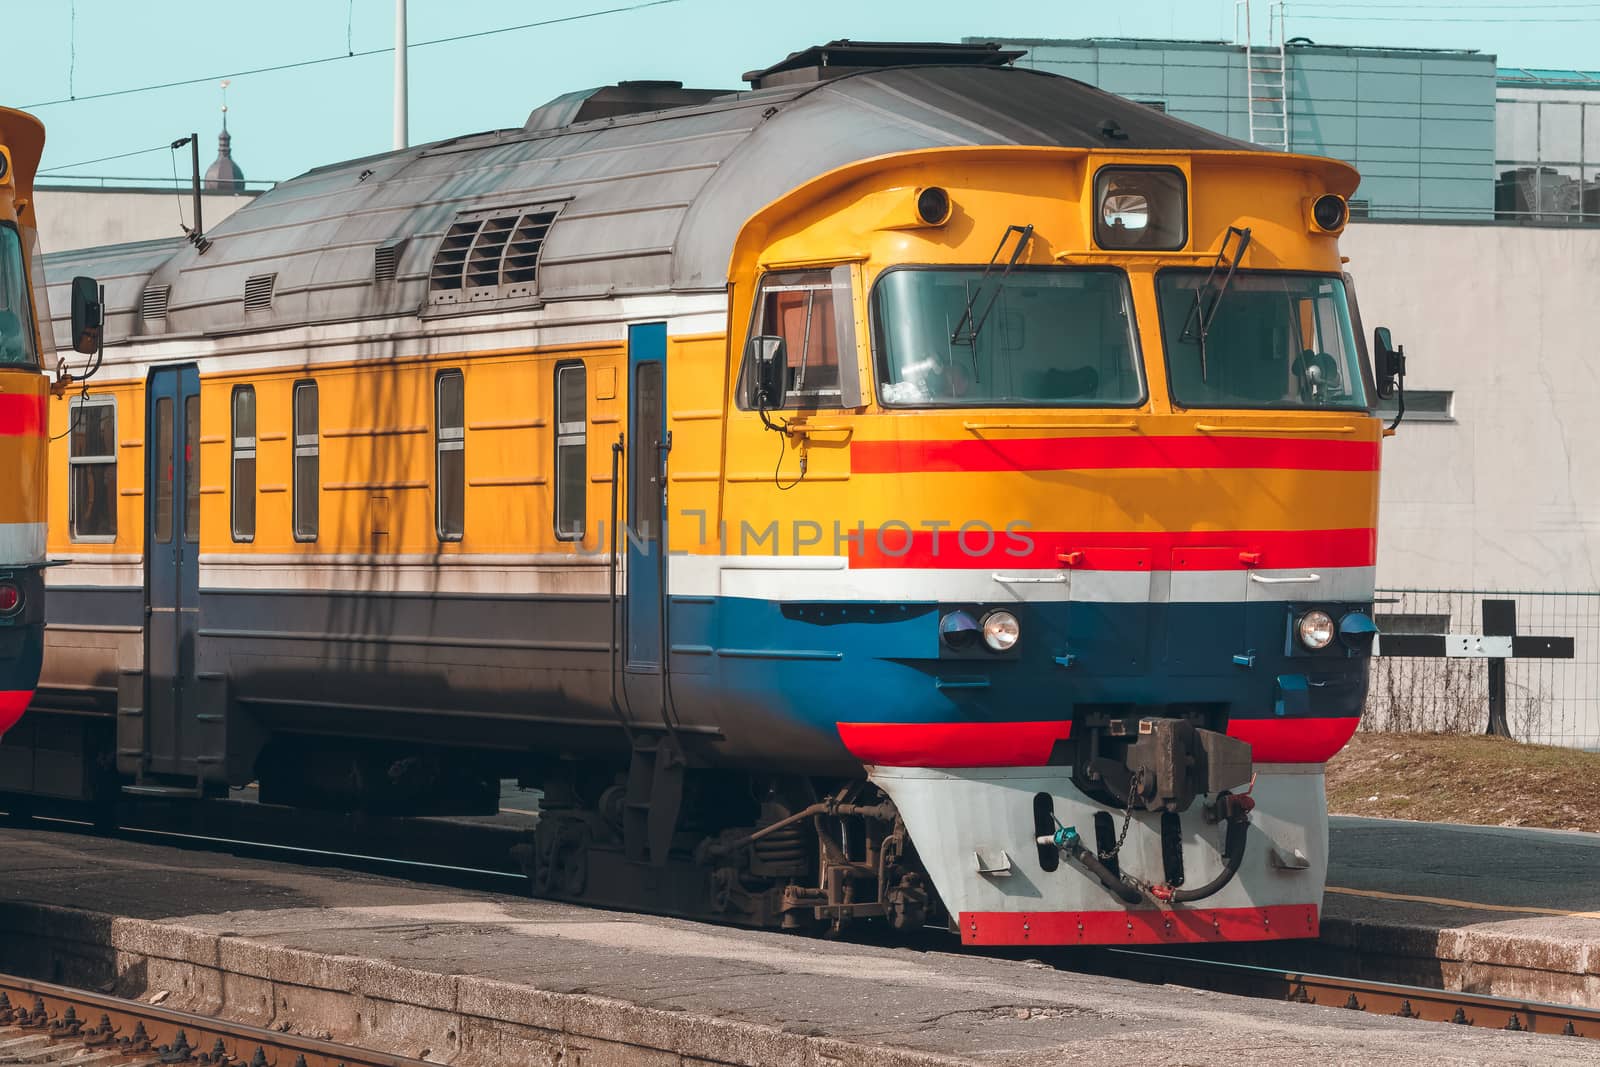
(16,316)
(1054,337)
(1275,341)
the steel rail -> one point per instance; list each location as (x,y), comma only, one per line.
(45,1023)
(1359,994)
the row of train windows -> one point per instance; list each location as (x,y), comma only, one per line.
(92,461)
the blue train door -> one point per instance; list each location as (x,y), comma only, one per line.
(172,556)
(645,533)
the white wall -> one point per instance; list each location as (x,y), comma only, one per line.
(84,218)
(1508,495)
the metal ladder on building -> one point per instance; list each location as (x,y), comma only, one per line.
(1266,76)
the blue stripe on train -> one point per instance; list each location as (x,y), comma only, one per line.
(816,664)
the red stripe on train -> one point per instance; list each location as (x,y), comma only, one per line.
(12,705)
(22,416)
(1113,453)
(954,744)
(982,546)
(1293,740)
(1146,927)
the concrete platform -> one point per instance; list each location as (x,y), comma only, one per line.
(1505,911)
(480,978)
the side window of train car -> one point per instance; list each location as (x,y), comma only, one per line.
(449,454)
(813,311)
(244,463)
(92,463)
(572,452)
(307,461)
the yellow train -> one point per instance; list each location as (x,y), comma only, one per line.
(27,356)
(913,487)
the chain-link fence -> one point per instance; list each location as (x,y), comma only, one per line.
(1548,701)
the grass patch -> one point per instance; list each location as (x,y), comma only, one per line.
(1489,781)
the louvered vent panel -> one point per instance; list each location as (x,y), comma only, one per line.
(522,254)
(1360,209)
(258,291)
(1155,105)
(153,303)
(483,264)
(445,277)
(385,260)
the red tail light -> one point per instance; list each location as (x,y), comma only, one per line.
(10,599)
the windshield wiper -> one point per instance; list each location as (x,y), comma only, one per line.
(1201,316)
(974,325)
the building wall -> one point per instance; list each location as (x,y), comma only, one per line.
(1507,496)
(72,218)
(1419,125)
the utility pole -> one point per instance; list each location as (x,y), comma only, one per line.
(402,135)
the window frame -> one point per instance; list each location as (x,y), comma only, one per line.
(296,455)
(850,396)
(237,452)
(456,442)
(30,321)
(1359,352)
(565,437)
(879,369)
(75,405)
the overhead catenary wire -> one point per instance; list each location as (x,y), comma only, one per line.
(103,159)
(299,64)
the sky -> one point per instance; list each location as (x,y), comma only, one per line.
(288,121)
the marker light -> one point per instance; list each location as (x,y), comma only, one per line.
(933,206)
(959,630)
(10,599)
(1315,629)
(1000,630)
(1330,212)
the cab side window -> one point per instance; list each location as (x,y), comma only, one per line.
(813,312)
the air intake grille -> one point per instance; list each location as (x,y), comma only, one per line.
(258,291)
(153,303)
(491,257)
(385,261)
(1360,209)
(1155,105)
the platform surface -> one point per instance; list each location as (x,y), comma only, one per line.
(270,921)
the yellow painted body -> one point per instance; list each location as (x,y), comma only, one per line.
(377,428)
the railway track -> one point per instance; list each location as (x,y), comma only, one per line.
(50,1024)
(317,842)
(1355,994)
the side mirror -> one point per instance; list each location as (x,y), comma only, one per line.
(1388,362)
(88,317)
(768,359)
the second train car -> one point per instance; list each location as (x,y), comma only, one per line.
(914,488)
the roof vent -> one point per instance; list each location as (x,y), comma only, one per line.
(385,261)
(1154,105)
(838,58)
(258,291)
(491,257)
(153,303)
(1360,209)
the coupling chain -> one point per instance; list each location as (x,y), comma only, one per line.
(1134,784)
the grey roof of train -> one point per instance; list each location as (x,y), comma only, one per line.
(650,202)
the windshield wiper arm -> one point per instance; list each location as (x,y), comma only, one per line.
(1198,324)
(973,325)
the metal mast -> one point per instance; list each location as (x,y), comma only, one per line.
(402,134)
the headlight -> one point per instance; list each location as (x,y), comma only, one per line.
(1000,630)
(959,630)
(1330,212)
(1315,629)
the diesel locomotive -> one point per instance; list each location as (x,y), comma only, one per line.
(27,354)
(912,489)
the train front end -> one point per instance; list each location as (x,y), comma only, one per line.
(24,389)
(1105,520)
